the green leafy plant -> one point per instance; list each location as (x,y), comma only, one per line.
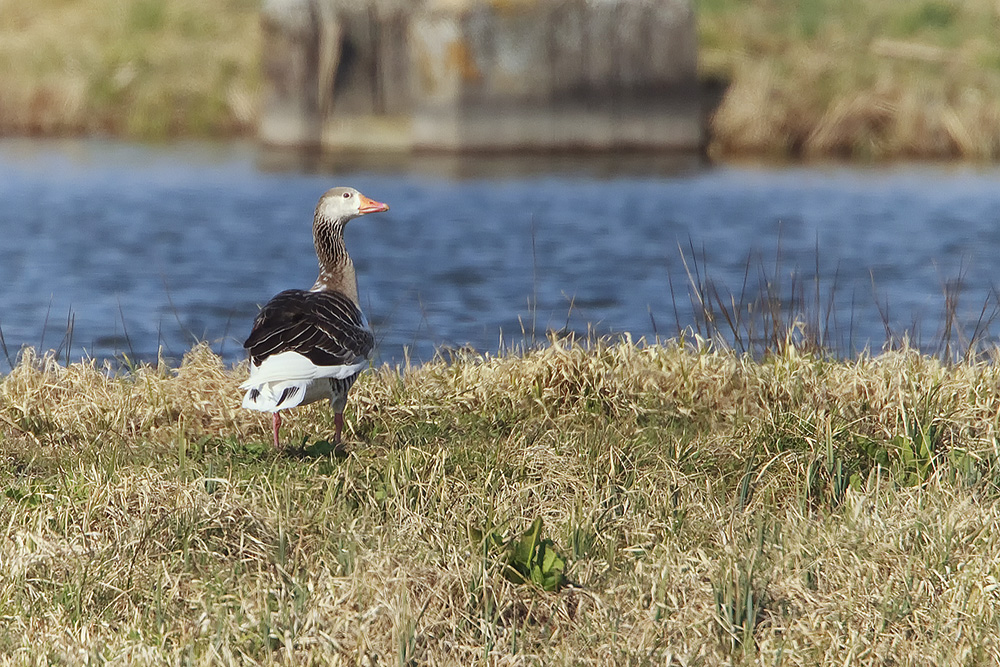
(740,592)
(526,558)
(917,451)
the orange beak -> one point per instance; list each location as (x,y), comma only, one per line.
(371,206)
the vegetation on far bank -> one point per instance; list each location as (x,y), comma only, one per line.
(696,506)
(847,78)
(145,69)
(822,78)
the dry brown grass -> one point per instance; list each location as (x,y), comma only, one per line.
(712,508)
(867,80)
(135,68)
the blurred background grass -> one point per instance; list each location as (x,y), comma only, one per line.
(850,78)
(807,78)
(132,68)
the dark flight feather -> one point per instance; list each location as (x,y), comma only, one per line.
(325,327)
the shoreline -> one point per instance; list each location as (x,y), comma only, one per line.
(889,83)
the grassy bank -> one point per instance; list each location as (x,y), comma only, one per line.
(821,78)
(133,68)
(854,79)
(708,509)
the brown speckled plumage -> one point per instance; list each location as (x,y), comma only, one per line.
(336,270)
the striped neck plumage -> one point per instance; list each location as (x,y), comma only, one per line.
(336,270)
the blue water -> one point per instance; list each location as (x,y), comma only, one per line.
(140,249)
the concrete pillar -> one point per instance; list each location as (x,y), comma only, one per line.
(481,75)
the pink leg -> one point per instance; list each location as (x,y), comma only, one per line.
(277,424)
(338,419)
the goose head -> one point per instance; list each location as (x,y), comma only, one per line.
(343,204)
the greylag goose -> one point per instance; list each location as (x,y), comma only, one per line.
(307,346)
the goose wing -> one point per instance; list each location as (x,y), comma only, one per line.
(315,334)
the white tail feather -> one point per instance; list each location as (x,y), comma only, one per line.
(293,367)
(265,397)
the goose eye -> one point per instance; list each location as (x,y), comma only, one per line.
(347,195)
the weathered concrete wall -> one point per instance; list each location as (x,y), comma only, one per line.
(480,75)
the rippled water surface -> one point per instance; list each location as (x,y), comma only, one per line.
(146,248)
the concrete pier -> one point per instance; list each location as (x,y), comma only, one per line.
(501,76)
